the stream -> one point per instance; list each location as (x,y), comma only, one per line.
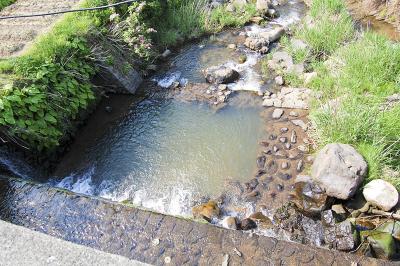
(163,153)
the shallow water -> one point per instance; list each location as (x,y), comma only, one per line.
(165,154)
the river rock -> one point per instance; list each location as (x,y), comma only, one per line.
(341,236)
(382,243)
(257,43)
(272,35)
(283,61)
(392,228)
(309,197)
(242,59)
(308,77)
(298,44)
(207,211)
(381,194)
(239,3)
(232,46)
(263,5)
(339,169)
(247,224)
(220,75)
(277,113)
(230,223)
(230,7)
(279,80)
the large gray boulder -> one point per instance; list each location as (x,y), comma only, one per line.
(220,75)
(339,169)
(381,194)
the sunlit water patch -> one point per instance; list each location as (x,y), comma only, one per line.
(166,155)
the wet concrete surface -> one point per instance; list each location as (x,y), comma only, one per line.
(151,237)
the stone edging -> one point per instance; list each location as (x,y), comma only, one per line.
(151,237)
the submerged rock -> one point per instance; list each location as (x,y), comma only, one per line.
(381,194)
(310,198)
(207,211)
(220,75)
(339,169)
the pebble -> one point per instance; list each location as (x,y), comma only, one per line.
(108,109)
(273,137)
(247,224)
(288,146)
(285,176)
(277,113)
(232,46)
(237,252)
(208,92)
(230,223)
(276,149)
(280,187)
(293,137)
(267,93)
(299,166)
(280,154)
(167,260)
(300,123)
(285,165)
(302,148)
(279,80)
(166,53)
(283,139)
(225,262)
(294,114)
(155,242)
(310,159)
(222,87)
(284,129)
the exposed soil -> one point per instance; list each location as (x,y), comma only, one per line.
(16,35)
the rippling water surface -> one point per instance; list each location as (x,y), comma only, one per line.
(165,154)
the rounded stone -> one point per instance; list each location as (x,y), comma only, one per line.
(229,223)
(381,194)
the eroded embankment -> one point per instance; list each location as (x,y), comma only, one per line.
(151,237)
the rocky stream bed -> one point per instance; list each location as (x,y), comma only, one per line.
(294,193)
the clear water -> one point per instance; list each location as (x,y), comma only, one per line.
(166,154)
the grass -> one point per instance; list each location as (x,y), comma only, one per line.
(187,19)
(183,20)
(5,3)
(221,18)
(356,72)
(327,33)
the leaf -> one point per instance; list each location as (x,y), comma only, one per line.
(49,118)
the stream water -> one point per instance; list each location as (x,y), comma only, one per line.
(166,154)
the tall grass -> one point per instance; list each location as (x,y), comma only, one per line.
(327,33)
(184,19)
(356,73)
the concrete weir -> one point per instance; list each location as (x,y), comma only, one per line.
(150,237)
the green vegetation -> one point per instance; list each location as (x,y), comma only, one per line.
(50,84)
(4,3)
(46,89)
(356,74)
(221,18)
